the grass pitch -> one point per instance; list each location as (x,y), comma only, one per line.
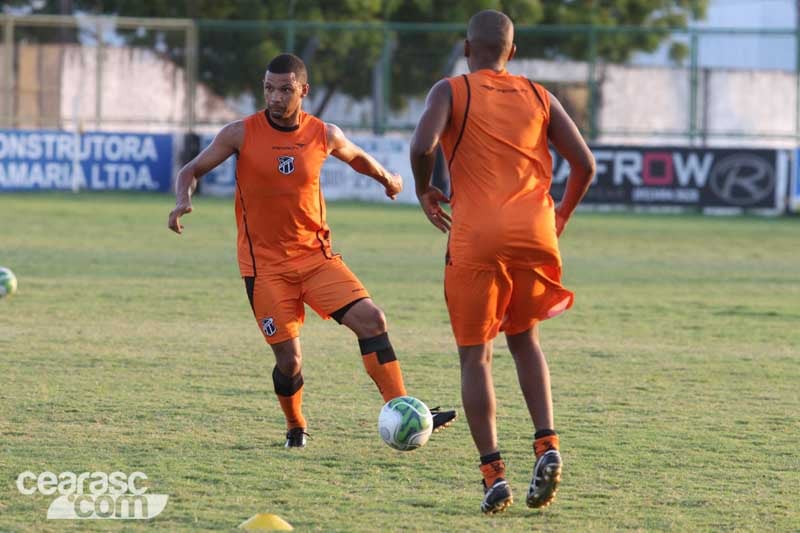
(675,376)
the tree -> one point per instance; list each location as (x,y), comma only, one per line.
(423,58)
(237,38)
(656,16)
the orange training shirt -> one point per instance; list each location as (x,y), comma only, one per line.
(280,211)
(500,169)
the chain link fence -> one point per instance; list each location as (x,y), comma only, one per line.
(116,73)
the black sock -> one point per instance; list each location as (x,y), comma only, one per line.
(492,457)
(286,385)
(544,433)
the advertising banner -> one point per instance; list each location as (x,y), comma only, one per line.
(339,181)
(683,177)
(222,180)
(96,161)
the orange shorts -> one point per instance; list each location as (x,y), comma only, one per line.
(484,301)
(277,299)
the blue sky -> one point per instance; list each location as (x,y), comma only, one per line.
(772,52)
(744,51)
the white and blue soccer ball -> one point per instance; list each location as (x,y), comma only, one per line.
(405,423)
(8,282)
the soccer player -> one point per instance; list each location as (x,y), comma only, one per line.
(284,244)
(503,268)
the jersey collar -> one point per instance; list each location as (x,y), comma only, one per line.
(278,126)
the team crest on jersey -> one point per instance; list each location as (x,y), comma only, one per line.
(286,164)
(268,325)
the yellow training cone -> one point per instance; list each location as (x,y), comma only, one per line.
(266,522)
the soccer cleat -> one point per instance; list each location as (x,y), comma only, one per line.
(496,498)
(296,438)
(442,419)
(546,477)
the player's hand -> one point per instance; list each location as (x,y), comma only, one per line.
(394,186)
(430,200)
(176,214)
(561,222)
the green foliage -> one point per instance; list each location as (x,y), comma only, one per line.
(423,57)
(655,16)
(232,58)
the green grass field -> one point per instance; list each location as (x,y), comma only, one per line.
(675,376)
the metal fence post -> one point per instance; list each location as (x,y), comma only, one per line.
(8,67)
(592,82)
(381,85)
(797,84)
(694,41)
(290,36)
(191,73)
(98,84)
(377,97)
(386,68)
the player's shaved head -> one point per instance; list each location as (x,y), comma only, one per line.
(490,34)
(289,63)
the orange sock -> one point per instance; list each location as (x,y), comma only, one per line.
(493,471)
(290,395)
(382,366)
(291,406)
(542,444)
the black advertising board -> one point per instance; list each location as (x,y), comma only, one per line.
(682,177)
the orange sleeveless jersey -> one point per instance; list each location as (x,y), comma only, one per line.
(500,169)
(280,211)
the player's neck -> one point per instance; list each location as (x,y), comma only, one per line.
(497,66)
(291,121)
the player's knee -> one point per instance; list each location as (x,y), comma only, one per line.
(375,321)
(289,366)
(524,344)
(475,356)
(378,321)
(288,360)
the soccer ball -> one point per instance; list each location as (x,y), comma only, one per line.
(8,282)
(405,423)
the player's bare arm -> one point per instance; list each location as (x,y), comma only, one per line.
(432,124)
(226,143)
(567,140)
(342,148)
